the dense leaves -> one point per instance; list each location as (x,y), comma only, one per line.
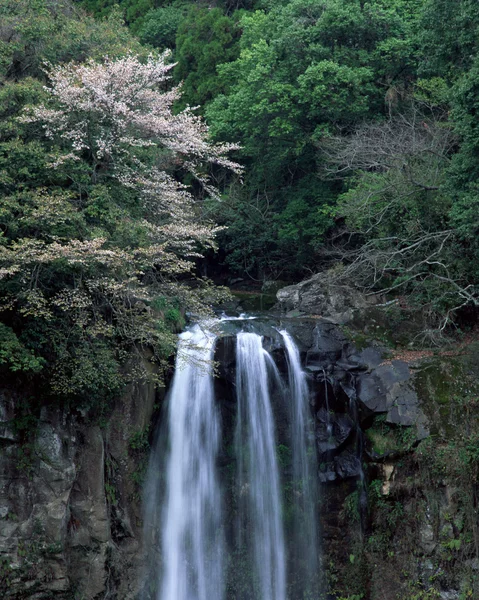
(96,218)
(306,70)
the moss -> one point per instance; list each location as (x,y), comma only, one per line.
(390,325)
(386,438)
(357,337)
(447,392)
(383,441)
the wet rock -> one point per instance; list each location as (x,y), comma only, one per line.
(326,346)
(348,465)
(369,358)
(301,330)
(7,414)
(372,392)
(427,539)
(344,466)
(225,357)
(89,514)
(332,431)
(327,473)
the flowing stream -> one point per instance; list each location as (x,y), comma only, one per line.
(192,522)
(305,536)
(196,553)
(258,474)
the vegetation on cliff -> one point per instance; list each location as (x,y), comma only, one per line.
(102,212)
(356,125)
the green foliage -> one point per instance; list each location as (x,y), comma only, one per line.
(386,438)
(138,441)
(139,447)
(169,313)
(284,456)
(70,318)
(35,31)
(89,374)
(14,355)
(284,78)
(351,507)
(111,494)
(206,38)
(160,26)
(334,92)
(7,573)
(304,68)
(418,591)
(449,36)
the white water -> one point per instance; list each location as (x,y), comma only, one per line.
(258,477)
(195,560)
(305,543)
(192,538)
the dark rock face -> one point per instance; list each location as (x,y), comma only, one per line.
(35,486)
(348,388)
(387,389)
(332,434)
(70,513)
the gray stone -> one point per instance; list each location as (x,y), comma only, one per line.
(53,504)
(388,389)
(427,539)
(332,431)
(348,465)
(368,358)
(317,296)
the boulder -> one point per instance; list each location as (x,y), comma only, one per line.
(332,431)
(388,389)
(334,302)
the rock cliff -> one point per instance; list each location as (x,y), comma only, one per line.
(396,437)
(70,502)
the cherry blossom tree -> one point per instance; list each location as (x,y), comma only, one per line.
(111,130)
(109,112)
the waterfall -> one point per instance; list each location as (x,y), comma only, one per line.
(258,476)
(305,557)
(198,555)
(192,539)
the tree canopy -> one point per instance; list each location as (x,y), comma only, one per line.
(102,216)
(354,121)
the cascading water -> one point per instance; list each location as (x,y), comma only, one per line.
(192,537)
(198,554)
(258,476)
(305,552)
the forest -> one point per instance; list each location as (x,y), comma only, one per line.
(144,144)
(163,160)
